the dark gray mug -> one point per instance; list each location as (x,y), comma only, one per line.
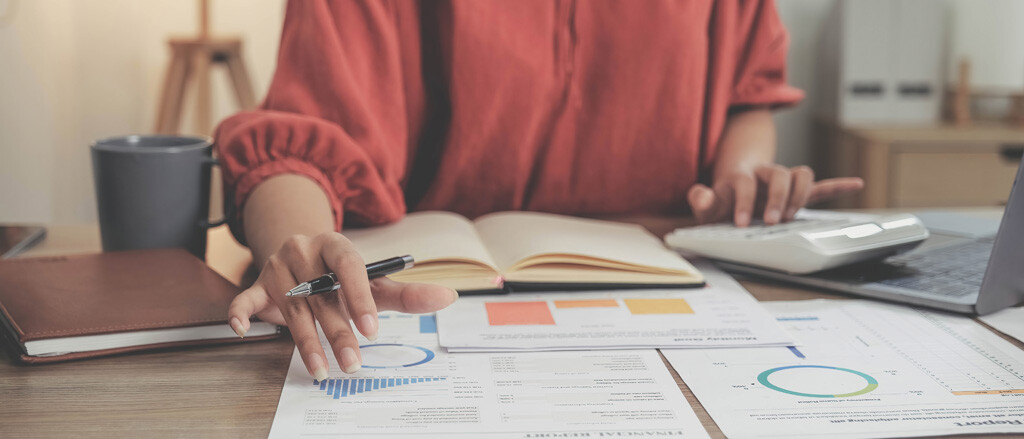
(154,192)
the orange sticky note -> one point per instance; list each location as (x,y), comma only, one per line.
(518,313)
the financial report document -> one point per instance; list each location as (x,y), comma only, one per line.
(863,369)
(409,387)
(722,313)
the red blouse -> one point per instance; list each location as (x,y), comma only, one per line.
(475,106)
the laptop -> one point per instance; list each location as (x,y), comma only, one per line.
(950,271)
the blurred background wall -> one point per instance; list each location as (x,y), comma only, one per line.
(75,70)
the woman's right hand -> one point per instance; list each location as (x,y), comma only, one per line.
(303,258)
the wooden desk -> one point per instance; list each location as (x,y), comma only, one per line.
(201,392)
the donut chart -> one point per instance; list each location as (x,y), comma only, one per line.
(394,355)
(763,378)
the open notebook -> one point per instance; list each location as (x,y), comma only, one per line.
(526,251)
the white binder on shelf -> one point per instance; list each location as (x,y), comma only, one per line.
(884,60)
(920,49)
(865,73)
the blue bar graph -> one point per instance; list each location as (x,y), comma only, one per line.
(338,388)
(428,325)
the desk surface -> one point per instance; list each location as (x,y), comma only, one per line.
(211,391)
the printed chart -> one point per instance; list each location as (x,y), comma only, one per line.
(542,312)
(337,388)
(409,386)
(840,382)
(868,370)
(392,355)
(500,313)
(721,314)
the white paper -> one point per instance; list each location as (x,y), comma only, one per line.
(865,369)
(1009,321)
(522,395)
(721,314)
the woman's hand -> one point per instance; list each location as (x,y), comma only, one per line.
(302,258)
(288,224)
(770,191)
(746,182)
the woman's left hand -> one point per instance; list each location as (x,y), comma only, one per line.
(772,192)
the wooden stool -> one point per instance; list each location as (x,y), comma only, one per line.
(192,58)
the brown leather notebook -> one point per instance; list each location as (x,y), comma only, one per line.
(69,307)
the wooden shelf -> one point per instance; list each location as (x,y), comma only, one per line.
(923,166)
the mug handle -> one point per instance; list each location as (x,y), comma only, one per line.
(229,207)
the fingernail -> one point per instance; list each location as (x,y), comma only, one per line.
(771,216)
(368,322)
(455,294)
(320,374)
(236,325)
(742,219)
(319,366)
(706,196)
(349,361)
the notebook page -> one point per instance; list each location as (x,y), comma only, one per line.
(427,236)
(513,237)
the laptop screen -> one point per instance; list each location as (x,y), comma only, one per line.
(1004,278)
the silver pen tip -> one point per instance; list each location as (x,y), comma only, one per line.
(409,262)
(302,289)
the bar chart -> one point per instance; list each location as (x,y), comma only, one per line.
(338,388)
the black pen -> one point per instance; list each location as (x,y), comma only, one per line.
(329,281)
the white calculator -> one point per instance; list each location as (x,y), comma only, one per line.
(814,241)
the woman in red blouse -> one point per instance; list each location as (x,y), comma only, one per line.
(565,106)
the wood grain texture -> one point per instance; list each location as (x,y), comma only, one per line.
(217,391)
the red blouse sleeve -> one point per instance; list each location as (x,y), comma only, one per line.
(760,70)
(746,66)
(337,112)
